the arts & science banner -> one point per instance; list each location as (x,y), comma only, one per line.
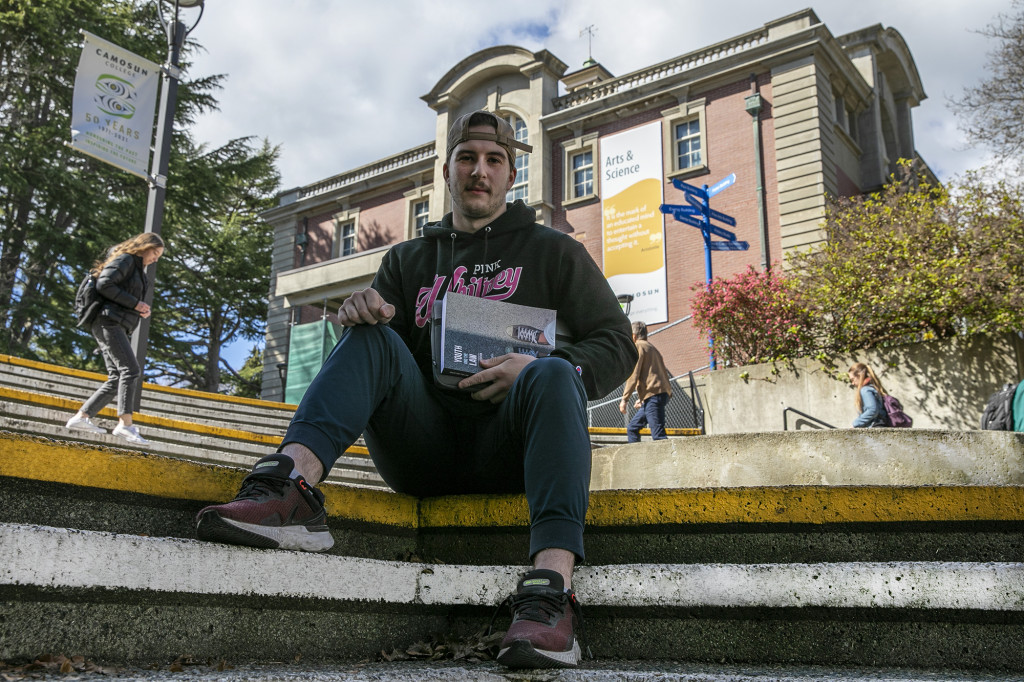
(113,105)
(632,185)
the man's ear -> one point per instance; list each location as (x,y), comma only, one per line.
(511,177)
(444,172)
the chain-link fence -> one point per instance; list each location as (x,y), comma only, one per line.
(684,410)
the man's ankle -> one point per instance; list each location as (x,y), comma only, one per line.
(306,463)
(561,561)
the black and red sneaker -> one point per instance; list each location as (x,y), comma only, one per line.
(272,510)
(544,620)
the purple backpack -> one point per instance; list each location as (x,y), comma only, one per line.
(897,417)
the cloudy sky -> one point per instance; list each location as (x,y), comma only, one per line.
(337,83)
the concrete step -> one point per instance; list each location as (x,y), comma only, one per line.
(31,413)
(257,416)
(211,600)
(927,577)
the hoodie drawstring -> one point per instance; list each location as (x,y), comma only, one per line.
(451,254)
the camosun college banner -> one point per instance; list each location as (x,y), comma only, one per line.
(633,226)
(113,105)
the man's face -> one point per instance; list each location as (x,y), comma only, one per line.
(478,174)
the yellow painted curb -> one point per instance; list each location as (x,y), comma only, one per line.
(616,431)
(40,459)
(109,468)
(807,504)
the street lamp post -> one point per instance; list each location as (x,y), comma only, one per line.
(176,32)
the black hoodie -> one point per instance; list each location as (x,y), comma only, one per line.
(513,259)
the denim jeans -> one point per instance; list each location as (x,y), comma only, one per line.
(426,441)
(652,414)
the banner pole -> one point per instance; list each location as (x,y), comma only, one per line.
(176,32)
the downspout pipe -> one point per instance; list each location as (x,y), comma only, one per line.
(754,106)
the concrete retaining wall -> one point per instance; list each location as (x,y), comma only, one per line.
(941,384)
(886,457)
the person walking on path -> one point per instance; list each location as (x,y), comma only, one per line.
(870,408)
(121,283)
(650,379)
(517,426)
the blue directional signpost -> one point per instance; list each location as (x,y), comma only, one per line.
(698,213)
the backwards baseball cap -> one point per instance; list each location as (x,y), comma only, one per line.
(504,136)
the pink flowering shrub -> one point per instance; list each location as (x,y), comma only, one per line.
(753,317)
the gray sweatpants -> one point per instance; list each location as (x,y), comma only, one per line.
(122,368)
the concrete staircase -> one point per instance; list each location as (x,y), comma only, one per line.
(38,399)
(897,549)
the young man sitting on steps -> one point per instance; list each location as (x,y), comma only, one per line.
(517,426)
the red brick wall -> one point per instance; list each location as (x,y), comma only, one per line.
(730,140)
(730,149)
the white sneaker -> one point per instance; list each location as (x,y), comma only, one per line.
(84,424)
(130,433)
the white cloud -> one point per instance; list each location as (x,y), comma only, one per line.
(338,84)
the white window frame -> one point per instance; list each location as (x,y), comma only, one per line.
(693,110)
(412,198)
(522,161)
(580,144)
(342,220)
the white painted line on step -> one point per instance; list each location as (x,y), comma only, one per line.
(909,585)
(61,558)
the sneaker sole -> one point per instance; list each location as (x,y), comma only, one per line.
(213,527)
(82,427)
(521,654)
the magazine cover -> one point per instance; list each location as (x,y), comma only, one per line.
(473,328)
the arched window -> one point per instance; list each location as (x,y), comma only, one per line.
(520,188)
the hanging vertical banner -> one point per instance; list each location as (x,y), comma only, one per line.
(308,348)
(633,226)
(113,105)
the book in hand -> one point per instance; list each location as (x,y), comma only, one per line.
(468,329)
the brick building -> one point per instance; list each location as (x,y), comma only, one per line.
(793,111)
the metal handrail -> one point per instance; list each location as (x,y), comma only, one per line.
(698,404)
(669,326)
(785,420)
(615,400)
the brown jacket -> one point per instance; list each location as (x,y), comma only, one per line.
(649,377)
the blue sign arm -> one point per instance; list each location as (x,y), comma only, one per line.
(689,189)
(721,232)
(721,184)
(678,209)
(728,246)
(722,217)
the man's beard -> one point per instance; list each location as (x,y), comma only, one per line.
(485,205)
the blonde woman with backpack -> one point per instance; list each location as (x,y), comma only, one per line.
(121,283)
(869,397)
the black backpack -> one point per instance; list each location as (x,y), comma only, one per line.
(87,301)
(998,414)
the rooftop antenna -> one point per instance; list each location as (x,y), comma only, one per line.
(589,31)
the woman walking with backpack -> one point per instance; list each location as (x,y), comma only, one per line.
(869,397)
(121,284)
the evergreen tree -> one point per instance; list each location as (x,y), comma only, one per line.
(220,266)
(60,210)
